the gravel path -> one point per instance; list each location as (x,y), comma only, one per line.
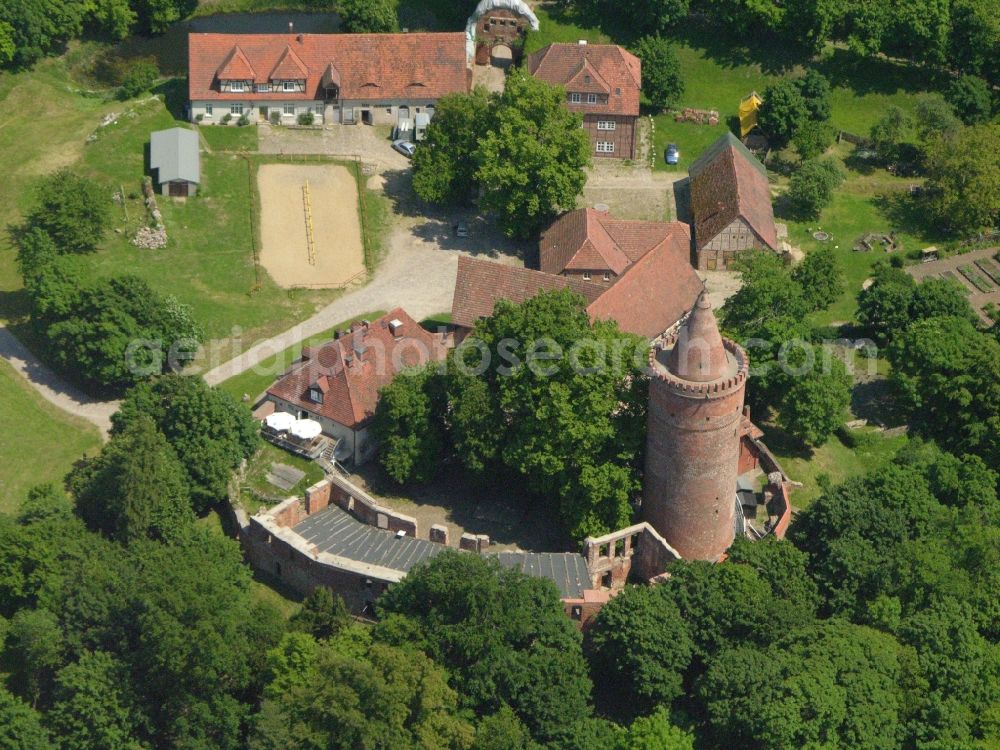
(53,388)
(418,275)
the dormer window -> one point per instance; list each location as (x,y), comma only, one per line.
(236,86)
(288,86)
(316,395)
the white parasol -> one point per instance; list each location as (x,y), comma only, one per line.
(306,429)
(280,421)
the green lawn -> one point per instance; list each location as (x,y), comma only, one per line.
(555,27)
(865,202)
(836,460)
(38,443)
(257,379)
(230,137)
(256,477)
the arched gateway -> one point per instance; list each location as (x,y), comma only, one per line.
(495,23)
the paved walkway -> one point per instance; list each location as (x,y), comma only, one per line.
(53,388)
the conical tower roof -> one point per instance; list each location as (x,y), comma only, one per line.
(699,355)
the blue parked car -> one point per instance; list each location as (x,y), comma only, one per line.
(672,154)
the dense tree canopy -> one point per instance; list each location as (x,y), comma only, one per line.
(810,189)
(502,636)
(444,167)
(207,428)
(531,161)
(523,150)
(963,185)
(135,488)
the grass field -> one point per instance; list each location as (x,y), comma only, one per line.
(835,461)
(229,137)
(257,379)
(38,443)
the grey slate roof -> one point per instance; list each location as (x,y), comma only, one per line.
(335,531)
(567,570)
(174,154)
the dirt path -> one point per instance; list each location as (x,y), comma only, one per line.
(53,388)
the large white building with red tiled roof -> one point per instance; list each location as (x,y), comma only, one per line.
(337,78)
(337,384)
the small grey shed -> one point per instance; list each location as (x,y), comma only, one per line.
(175,161)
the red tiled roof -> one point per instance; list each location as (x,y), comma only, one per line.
(610,68)
(729,185)
(652,294)
(288,68)
(481,283)
(596,241)
(236,66)
(351,370)
(370,66)
(655,291)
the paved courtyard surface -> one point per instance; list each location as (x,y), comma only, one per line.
(631,192)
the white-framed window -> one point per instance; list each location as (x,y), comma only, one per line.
(574,98)
(262,88)
(607,276)
(591,98)
(586,275)
(208,110)
(236,109)
(288,86)
(605,147)
(288,109)
(606,125)
(236,86)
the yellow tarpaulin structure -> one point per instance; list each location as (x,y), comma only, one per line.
(748,113)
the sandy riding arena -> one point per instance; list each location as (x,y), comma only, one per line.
(309,226)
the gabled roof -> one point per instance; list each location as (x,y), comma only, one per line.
(481,283)
(351,370)
(378,66)
(654,292)
(596,241)
(174,155)
(236,67)
(289,67)
(611,69)
(728,182)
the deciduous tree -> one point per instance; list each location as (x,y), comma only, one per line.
(662,83)
(972,98)
(810,189)
(783,111)
(531,161)
(963,185)
(208,429)
(72,210)
(409,425)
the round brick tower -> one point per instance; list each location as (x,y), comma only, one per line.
(697,383)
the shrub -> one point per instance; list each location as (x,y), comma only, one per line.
(228,118)
(275,117)
(140,77)
(306,118)
(244,120)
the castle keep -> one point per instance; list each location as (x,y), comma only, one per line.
(696,390)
